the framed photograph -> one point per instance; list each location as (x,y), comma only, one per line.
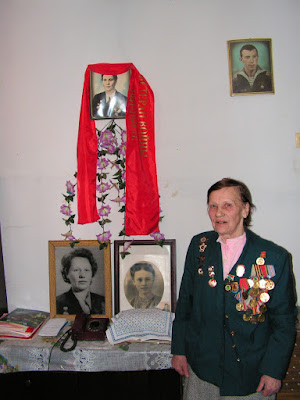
(145,278)
(250,66)
(108,95)
(80,279)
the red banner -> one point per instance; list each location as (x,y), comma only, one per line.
(142,198)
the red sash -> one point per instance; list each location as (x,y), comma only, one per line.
(142,199)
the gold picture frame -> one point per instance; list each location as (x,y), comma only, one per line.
(63,302)
(250,66)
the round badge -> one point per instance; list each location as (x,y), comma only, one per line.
(270,284)
(261,317)
(234,287)
(253,303)
(200,271)
(228,287)
(264,297)
(263,308)
(240,270)
(246,317)
(262,284)
(240,306)
(260,261)
(212,283)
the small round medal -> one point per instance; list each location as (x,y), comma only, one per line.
(228,287)
(260,261)
(262,284)
(212,283)
(253,319)
(240,270)
(253,303)
(261,317)
(200,271)
(240,306)
(234,287)
(246,317)
(245,295)
(270,284)
(263,308)
(264,297)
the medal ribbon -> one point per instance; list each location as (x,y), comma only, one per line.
(142,198)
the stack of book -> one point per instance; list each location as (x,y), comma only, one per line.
(22,323)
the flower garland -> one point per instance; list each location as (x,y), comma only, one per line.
(111,177)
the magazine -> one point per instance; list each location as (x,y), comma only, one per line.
(22,323)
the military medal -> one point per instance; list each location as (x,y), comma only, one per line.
(264,297)
(270,284)
(240,306)
(228,287)
(200,271)
(212,282)
(240,270)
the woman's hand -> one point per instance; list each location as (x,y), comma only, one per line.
(179,363)
(268,385)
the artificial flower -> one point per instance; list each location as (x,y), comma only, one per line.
(70,188)
(104,211)
(103,187)
(66,209)
(103,237)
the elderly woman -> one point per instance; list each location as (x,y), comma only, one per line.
(78,269)
(142,275)
(234,329)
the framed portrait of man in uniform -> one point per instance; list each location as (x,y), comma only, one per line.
(108,95)
(250,66)
(145,275)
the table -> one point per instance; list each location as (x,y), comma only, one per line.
(141,369)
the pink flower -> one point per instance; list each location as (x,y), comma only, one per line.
(70,188)
(102,163)
(66,209)
(157,236)
(124,136)
(103,187)
(127,245)
(103,236)
(123,149)
(104,211)
(106,137)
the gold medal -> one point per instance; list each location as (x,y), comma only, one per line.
(246,317)
(253,303)
(250,283)
(270,284)
(260,261)
(240,306)
(263,308)
(261,317)
(264,297)
(212,283)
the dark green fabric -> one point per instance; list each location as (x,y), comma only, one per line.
(207,324)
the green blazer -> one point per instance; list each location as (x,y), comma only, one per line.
(228,334)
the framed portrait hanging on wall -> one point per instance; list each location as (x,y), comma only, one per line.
(146,277)
(108,95)
(250,66)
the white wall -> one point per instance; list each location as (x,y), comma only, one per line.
(202,134)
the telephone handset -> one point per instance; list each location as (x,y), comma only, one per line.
(85,327)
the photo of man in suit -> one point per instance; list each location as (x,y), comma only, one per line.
(110,103)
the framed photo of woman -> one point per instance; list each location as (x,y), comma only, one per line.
(250,66)
(80,279)
(145,275)
(108,95)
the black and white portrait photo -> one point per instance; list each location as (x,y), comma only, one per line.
(80,280)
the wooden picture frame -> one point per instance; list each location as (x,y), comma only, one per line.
(97,280)
(250,66)
(163,262)
(108,95)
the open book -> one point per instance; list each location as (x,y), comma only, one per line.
(22,323)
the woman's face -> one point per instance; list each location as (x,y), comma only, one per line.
(227,212)
(109,83)
(143,281)
(80,274)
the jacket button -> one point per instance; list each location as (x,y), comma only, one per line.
(238,360)
(232,333)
